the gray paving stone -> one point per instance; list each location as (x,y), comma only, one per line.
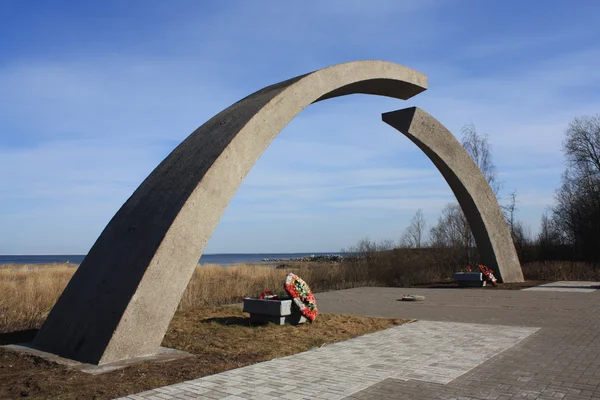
(467,344)
(424,350)
(568,286)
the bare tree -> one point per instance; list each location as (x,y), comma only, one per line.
(510,211)
(414,234)
(549,235)
(480,151)
(577,209)
(582,144)
(452,228)
(521,234)
(550,241)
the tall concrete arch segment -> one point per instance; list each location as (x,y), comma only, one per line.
(119,303)
(470,187)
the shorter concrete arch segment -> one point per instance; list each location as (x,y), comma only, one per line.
(120,301)
(472,191)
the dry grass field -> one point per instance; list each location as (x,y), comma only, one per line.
(28,292)
(561,271)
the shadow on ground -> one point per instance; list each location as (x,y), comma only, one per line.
(228,321)
(16,337)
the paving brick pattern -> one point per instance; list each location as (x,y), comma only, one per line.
(424,350)
(559,361)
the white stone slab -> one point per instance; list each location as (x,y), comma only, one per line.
(429,351)
(568,286)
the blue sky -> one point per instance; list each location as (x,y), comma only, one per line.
(95,94)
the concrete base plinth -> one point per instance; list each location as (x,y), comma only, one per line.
(469,279)
(278,312)
(164,354)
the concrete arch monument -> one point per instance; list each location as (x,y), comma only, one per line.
(119,303)
(474,194)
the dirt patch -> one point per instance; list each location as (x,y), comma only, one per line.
(220,339)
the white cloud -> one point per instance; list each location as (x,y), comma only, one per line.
(516,44)
(81,130)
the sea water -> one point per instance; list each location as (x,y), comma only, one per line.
(220,259)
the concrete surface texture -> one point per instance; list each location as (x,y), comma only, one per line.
(470,187)
(467,344)
(120,301)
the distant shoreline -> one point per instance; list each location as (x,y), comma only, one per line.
(218,259)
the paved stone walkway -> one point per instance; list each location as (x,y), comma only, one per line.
(425,350)
(467,344)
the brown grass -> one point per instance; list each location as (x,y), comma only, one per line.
(561,271)
(28,292)
(219,337)
(214,285)
(239,341)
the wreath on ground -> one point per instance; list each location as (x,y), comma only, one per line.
(303,297)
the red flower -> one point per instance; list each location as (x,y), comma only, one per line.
(302,296)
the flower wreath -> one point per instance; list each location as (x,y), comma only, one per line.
(302,296)
(489,274)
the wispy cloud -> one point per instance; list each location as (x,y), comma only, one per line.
(87,117)
(511,45)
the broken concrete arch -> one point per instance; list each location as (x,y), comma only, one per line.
(470,187)
(120,301)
